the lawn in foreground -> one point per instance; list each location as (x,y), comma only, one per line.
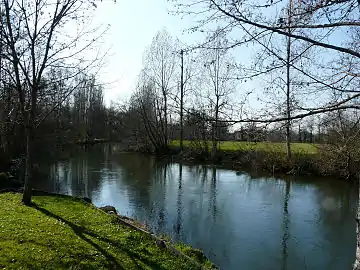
(61,232)
(301,148)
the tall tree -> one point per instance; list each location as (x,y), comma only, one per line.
(220,73)
(288,82)
(159,62)
(33,44)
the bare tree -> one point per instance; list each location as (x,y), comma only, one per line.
(145,104)
(188,74)
(159,62)
(33,44)
(219,71)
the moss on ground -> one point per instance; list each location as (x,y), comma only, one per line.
(60,232)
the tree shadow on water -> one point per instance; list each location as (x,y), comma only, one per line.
(112,261)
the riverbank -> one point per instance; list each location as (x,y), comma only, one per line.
(64,232)
(306,160)
(259,161)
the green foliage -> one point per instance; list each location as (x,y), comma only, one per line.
(60,232)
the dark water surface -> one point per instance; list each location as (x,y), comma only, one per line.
(241,222)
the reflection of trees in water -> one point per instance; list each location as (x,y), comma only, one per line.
(285,226)
(342,199)
(203,172)
(161,171)
(136,170)
(179,208)
(80,174)
(86,168)
(212,200)
(58,178)
(337,204)
(271,189)
(337,208)
(145,182)
(322,218)
(135,175)
(197,173)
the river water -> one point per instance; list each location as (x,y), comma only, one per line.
(239,221)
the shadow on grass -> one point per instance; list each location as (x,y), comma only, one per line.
(112,261)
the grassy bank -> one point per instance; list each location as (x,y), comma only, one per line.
(60,232)
(297,148)
(307,159)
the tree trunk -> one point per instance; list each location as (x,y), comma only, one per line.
(29,133)
(215,127)
(28,168)
(356,265)
(288,109)
(214,134)
(214,142)
(182,102)
(165,120)
(319,134)
(8,134)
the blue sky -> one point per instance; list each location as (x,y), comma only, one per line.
(133,25)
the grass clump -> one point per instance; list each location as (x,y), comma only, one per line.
(60,232)
(195,254)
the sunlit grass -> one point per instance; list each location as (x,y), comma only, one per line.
(61,232)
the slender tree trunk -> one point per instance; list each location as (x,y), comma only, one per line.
(8,125)
(213,140)
(28,167)
(182,102)
(356,265)
(164,93)
(29,133)
(165,121)
(215,129)
(288,108)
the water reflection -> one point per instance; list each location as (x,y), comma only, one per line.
(179,209)
(285,226)
(213,194)
(258,223)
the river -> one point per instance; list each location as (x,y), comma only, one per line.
(240,221)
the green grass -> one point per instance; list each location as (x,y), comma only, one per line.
(301,148)
(60,232)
